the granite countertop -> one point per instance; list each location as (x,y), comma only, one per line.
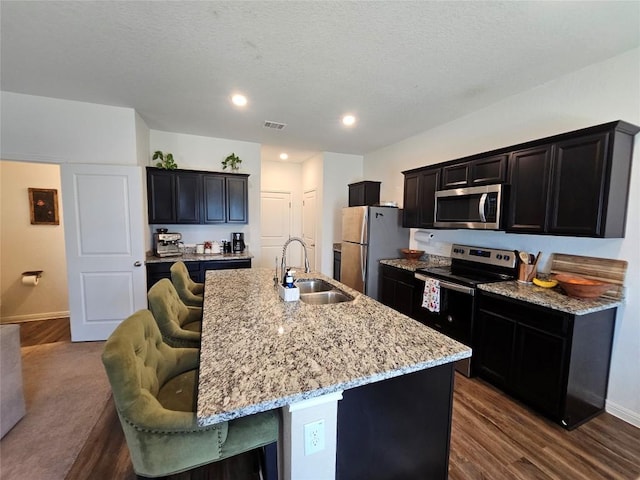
(412,265)
(549,297)
(259,352)
(198,257)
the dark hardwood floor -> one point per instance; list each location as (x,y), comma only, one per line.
(45,331)
(492,437)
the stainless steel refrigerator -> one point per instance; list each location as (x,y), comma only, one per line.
(369,234)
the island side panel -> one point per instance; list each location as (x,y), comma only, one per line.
(397,428)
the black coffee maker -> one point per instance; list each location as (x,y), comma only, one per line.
(237,242)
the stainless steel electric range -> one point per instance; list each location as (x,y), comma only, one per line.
(456,287)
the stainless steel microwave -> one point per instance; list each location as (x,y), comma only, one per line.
(472,207)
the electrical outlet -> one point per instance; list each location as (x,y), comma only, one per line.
(314,437)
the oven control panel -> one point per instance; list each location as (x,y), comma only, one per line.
(489,256)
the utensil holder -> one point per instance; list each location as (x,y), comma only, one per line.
(526,271)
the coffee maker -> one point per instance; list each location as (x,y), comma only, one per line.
(165,244)
(237,242)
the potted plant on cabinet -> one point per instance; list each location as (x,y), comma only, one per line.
(232,161)
(166,161)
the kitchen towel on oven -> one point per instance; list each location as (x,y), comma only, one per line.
(431,295)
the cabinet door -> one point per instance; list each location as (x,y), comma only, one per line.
(578,179)
(161,196)
(419,198)
(397,289)
(356,195)
(410,201)
(486,171)
(214,199)
(538,369)
(529,174)
(237,199)
(429,182)
(187,188)
(456,176)
(336,265)
(493,347)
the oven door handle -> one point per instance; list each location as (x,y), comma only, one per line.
(448,285)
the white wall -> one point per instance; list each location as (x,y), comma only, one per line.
(597,94)
(312,180)
(339,171)
(41,129)
(286,177)
(28,247)
(206,153)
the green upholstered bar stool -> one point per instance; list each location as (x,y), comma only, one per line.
(190,292)
(179,324)
(155,391)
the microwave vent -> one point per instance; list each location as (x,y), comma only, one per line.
(274,125)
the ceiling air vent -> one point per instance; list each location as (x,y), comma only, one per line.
(274,125)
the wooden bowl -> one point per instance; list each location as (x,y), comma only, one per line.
(580,287)
(410,254)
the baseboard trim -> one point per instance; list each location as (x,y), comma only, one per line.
(34,317)
(623,413)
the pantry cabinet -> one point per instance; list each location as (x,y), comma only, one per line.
(196,197)
(558,363)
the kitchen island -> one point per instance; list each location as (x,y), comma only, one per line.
(381,382)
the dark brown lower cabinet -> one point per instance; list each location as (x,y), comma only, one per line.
(197,270)
(397,288)
(398,428)
(558,363)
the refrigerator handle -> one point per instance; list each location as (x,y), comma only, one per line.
(363,228)
(363,264)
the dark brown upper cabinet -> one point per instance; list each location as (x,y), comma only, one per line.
(579,203)
(364,193)
(196,197)
(420,187)
(528,174)
(575,185)
(471,173)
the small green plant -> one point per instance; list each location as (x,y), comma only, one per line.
(166,161)
(232,161)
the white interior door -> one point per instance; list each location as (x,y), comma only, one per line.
(104,242)
(275,227)
(309,225)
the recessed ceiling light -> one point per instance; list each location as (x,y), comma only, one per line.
(239,100)
(348,120)
(283,156)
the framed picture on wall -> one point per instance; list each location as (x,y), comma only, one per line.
(43,206)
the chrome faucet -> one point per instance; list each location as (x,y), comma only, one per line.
(283,264)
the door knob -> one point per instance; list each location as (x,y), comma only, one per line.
(137,264)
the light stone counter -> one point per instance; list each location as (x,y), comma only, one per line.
(412,265)
(259,352)
(190,256)
(549,297)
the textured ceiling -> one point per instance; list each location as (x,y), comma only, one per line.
(400,66)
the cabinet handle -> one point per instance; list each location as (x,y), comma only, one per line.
(137,264)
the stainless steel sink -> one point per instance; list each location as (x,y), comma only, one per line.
(326,297)
(311,285)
